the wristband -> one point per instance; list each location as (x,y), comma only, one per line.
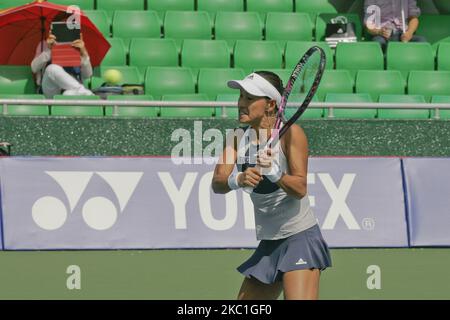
(233,181)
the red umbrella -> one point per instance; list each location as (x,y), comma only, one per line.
(23,27)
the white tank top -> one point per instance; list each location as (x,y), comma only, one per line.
(277,215)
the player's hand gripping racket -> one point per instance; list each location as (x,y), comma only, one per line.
(305,77)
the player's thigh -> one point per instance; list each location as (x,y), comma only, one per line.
(301,284)
(253,289)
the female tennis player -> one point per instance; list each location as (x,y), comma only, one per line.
(292,252)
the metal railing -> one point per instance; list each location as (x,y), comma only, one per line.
(221,104)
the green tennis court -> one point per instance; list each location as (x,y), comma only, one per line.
(210,274)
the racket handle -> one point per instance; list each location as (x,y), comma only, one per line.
(249,190)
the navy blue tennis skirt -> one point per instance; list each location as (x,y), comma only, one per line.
(304,250)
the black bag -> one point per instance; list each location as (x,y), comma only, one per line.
(134,89)
(126,89)
(337,29)
(340,30)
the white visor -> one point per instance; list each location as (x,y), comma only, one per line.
(257,86)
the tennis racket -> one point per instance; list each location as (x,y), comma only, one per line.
(305,78)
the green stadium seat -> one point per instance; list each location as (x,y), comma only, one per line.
(436,45)
(296,49)
(443,6)
(186,112)
(153,53)
(335,81)
(25,110)
(130,75)
(310,113)
(230,112)
(376,82)
(403,113)
(232,26)
(324,18)
(312,7)
(214,6)
(180,25)
(132,111)
(161,6)
(409,56)
(83,4)
(427,7)
(251,54)
(16,80)
(429,83)
(349,113)
(112,5)
(161,81)
(136,24)
(443,113)
(12,3)
(283,26)
(101,21)
(359,56)
(87,82)
(213,81)
(197,54)
(90,111)
(265,6)
(347,6)
(117,54)
(443,56)
(434,27)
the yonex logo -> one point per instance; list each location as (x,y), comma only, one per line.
(99,213)
(338,194)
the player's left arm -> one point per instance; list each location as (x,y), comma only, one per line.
(295,147)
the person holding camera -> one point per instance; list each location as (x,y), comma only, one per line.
(52,79)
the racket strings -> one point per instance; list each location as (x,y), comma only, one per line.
(308,74)
(304,81)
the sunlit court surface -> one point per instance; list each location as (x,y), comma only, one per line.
(225,156)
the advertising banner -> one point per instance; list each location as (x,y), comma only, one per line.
(359,202)
(428,192)
(146,203)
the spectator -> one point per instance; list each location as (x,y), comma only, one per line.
(52,79)
(392,20)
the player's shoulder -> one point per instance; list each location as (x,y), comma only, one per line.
(294,136)
(295,131)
